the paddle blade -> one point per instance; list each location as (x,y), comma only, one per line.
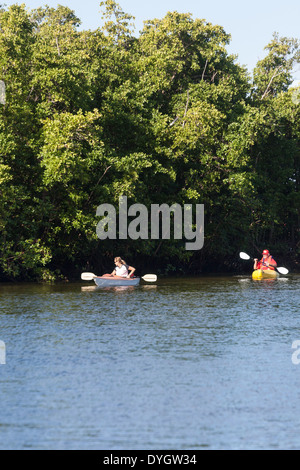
(149,277)
(88,276)
(244,255)
(283,270)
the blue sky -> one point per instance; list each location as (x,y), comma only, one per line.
(251,24)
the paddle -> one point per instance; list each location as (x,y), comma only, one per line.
(247,257)
(90,276)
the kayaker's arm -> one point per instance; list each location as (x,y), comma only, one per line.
(131,271)
(255,263)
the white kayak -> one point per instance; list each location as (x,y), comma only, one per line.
(110,281)
(103,281)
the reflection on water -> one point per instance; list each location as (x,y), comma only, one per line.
(114,288)
(193,363)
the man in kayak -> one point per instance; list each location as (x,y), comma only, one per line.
(267,262)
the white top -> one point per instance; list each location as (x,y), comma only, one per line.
(122,271)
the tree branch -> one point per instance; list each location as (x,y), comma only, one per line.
(267,90)
(186,107)
(102,176)
(57,45)
(202,78)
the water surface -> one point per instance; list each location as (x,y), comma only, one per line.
(202,363)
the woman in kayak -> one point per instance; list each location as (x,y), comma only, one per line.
(122,269)
(267,262)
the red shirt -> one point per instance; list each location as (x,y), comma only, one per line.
(261,264)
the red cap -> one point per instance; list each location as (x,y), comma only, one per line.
(266,252)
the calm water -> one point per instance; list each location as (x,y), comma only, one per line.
(200,363)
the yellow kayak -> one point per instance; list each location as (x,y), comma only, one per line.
(259,274)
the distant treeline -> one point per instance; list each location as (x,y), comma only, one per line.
(166,117)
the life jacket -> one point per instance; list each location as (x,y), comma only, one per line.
(261,264)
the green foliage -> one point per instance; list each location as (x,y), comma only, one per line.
(167,117)
(117,25)
(273,73)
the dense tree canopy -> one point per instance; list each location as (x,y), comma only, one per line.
(166,117)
